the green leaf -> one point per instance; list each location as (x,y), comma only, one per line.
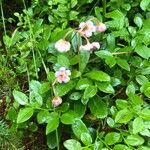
(110,122)
(86,138)
(136,100)
(89,92)
(11,114)
(98,76)
(75,96)
(63,89)
(138,21)
(20,97)
(134,140)
(35,85)
(143,51)
(68,117)
(144,4)
(138,125)
(120,146)
(43,116)
(73,3)
(24,115)
(76,40)
(141,79)
(75,74)
(103,54)
(112,138)
(130,89)
(118,19)
(51,140)
(98,108)
(105,87)
(63,60)
(121,104)
(44,87)
(80,109)
(145,114)
(72,144)
(36,99)
(123,64)
(98,13)
(78,128)
(83,60)
(53,122)
(123,116)
(146,89)
(83,83)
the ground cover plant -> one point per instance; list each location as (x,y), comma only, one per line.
(75,75)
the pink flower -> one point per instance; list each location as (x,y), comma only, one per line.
(86,47)
(101,27)
(90,46)
(62,46)
(87,28)
(62,75)
(95,45)
(56,101)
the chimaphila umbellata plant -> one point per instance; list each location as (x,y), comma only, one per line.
(96,91)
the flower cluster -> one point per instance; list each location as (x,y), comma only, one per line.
(86,29)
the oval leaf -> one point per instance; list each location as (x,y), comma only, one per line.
(24,115)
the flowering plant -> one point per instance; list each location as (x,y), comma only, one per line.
(85,78)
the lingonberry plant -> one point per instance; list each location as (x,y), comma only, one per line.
(82,78)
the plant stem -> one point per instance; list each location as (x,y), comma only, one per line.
(4,26)
(57,139)
(120,53)
(31,40)
(104,9)
(44,65)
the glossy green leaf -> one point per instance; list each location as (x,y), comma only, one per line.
(72,144)
(136,100)
(63,89)
(43,116)
(123,64)
(53,122)
(20,97)
(83,60)
(141,79)
(78,128)
(138,21)
(51,140)
(63,60)
(86,138)
(83,83)
(123,116)
(138,125)
(143,51)
(134,140)
(112,138)
(144,4)
(68,117)
(89,92)
(98,76)
(145,114)
(105,87)
(120,146)
(24,114)
(98,108)
(146,89)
